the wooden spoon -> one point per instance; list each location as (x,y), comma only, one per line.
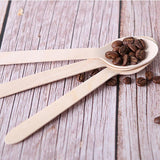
(48,76)
(47,114)
(18,57)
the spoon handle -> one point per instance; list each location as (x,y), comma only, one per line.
(49,76)
(19,57)
(47,114)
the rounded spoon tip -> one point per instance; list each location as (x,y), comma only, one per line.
(151,53)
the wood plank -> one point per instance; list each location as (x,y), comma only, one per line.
(3,9)
(138,136)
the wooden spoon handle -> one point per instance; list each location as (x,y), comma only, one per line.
(37,121)
(19,57)
(49,76)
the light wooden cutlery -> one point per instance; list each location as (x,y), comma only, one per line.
(95,59)
(48,76)
(47,114)
(52,75)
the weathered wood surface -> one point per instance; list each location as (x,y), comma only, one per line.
(138,136)
(112,122)
(3,9)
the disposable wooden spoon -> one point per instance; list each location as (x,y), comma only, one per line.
(52,75)
(18,57)
(48,76)
(37,121)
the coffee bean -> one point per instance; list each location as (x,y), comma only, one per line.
(140,54)
(157,120)
(128,40)
(117,61)
(116,49)
(117,43)
(141,81)
(127,80)
(143,43)
(123,50)
(156,79)
(133,60)
(129,46)
(149,75)
(139,44)
(112,82)
(81,77)
(131,54)
(128,50)
(111,55)
(125,60)
(132,47)
(95,71)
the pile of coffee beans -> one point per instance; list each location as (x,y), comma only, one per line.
(130,51)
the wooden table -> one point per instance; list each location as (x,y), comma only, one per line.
(112,122)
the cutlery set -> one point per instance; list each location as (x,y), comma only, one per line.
(91,58)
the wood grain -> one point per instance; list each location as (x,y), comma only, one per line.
(3,9)
(89,129)
(137,134)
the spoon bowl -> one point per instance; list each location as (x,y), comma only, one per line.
(151,53)
(129,72)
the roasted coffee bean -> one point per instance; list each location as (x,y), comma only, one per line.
(125,60)
(140,54)
(123,50)
(128,50)
(81,77)
(117,43)
(131,54)
(143,43)
(128,40)
(127,80)
(95,71)
(111,55)
(157,120)
(141,81)
(132,47)
(139,44)
(149,75)
(117,61)
(133,60)
(156,79)
(116,49)
(112,82)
